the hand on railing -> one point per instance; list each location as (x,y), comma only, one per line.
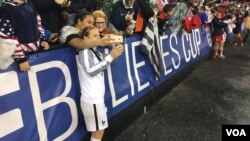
(45,45)
(25,66)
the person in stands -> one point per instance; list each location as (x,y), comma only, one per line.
(71,34)
(53,13)
(24,31)
(123,16)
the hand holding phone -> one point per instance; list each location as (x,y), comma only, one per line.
(117,51)
(129,16)
(116,38)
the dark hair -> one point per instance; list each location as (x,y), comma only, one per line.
(168,7)
(214,10)
(86,30)
(81,14)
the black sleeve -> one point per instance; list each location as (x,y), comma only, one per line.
(161,24)
(72,36)
(20,60)
(117,17)
(219,23)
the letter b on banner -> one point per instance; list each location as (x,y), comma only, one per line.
(40,106)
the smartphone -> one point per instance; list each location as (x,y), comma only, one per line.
(116,38)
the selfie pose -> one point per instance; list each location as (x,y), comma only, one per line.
(91,64)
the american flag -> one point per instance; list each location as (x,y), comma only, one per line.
(7,32)
(6,27)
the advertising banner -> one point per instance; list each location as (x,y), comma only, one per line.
(44,103)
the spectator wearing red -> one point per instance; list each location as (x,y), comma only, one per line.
(222,10)
(163,17)
(217,36)
(143,15)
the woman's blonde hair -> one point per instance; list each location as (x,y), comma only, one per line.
(99,13)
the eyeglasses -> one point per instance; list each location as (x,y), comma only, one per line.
(99,23)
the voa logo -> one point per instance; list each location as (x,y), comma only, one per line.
(236,132)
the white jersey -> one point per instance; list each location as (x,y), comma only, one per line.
(91,77)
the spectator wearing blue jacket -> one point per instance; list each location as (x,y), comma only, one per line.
(123,13)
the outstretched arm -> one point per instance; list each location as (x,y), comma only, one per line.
(89,43)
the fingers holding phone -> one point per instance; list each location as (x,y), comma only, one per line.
(105,41)
(116,38)
(117,51)
(111,40)
(129,16)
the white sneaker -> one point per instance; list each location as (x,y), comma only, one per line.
(221,56)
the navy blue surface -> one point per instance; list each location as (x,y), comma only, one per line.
(51,88)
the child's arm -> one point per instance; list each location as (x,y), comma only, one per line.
(7,33)
(86,59)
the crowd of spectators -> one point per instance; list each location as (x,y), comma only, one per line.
(127,17)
